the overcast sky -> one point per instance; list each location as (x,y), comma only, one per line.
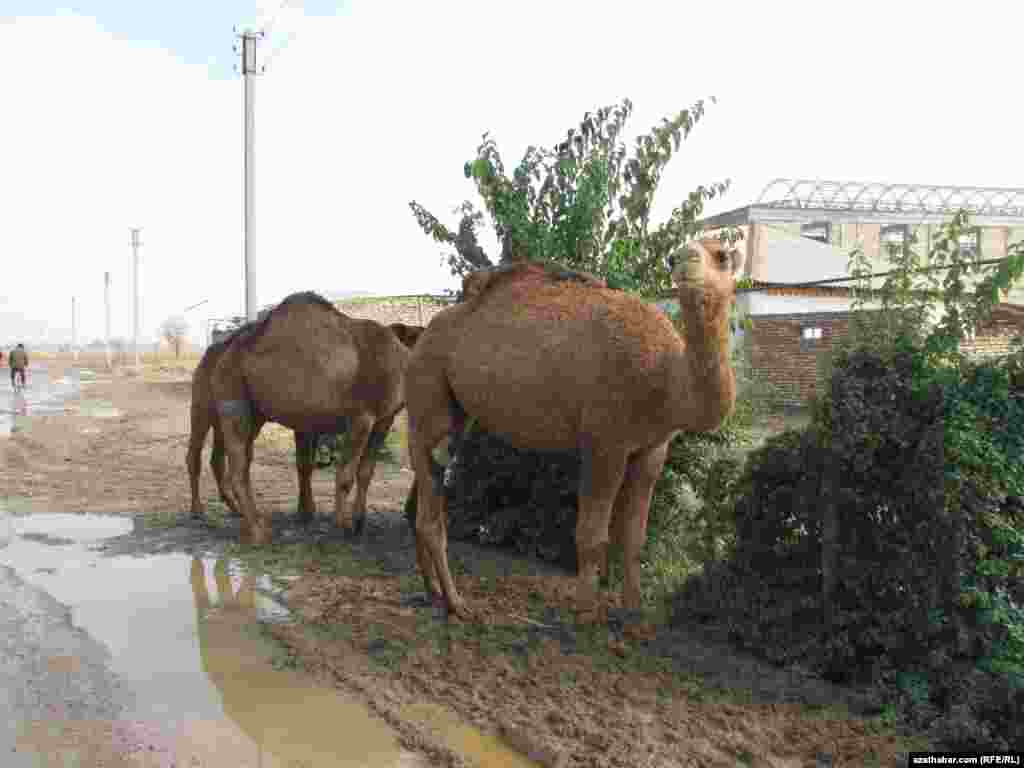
(119,113)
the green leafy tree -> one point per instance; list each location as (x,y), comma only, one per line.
(585,203)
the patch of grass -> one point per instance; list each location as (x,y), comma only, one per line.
(158,520)
(281,655)
(410,583)
(283,658)
(386,652)
(216,514)
(333,632)
(333,558)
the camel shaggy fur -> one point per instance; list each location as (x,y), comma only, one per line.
(314,370)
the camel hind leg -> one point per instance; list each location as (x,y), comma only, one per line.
(602,472)
(237,425)
(305,460)
(199,426)
(345,476)
(432,421)
(367,465)
(254,432)
(217,467)
(642,474)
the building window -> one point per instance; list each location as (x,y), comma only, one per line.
(818,230)
(894,236)
(970,244)
(810,336)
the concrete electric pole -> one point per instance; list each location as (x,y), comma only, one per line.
(135,300)
(249,70)
(74,332)
(106,310)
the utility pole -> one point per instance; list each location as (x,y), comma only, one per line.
(249,70)
(135,302)
(106,310)
(74,332)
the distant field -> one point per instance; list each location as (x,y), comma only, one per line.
(98,360)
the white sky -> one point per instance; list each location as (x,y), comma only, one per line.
(383,103)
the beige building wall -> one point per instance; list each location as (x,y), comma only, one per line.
(993,242)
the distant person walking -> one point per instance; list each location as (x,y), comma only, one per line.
(18,360)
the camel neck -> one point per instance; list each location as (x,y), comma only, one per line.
(706,377)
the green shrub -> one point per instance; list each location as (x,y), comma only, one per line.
(919,453)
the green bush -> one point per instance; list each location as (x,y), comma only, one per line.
(503,496)
(922,463)
(920,454)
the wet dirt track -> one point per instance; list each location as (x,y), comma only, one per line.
(159,639)
(155,660)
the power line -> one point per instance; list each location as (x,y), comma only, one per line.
(769,286)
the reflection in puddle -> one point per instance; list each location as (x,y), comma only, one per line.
(183,635)
(284,714)
(40,397)
(462,738)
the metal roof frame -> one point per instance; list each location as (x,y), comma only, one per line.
(809,200)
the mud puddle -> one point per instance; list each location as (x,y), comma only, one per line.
(41,396)
(200,684)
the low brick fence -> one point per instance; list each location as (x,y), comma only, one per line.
(411,310)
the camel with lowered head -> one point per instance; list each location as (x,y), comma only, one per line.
(315,370)
(204,417)
(556,362)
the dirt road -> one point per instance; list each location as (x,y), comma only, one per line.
(171,644)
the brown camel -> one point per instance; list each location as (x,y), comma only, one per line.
(314,370)
(553,361)
(203,418)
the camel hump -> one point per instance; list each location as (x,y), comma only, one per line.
(483,281)
(252,331)
(304,297)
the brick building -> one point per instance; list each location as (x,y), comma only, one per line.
(803,231)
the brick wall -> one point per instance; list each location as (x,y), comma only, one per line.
(784,358)
(787,360)
(411,311)
(995,337)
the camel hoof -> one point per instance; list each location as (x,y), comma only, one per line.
(354,530)
(640,631)
(460,610)
(440,606)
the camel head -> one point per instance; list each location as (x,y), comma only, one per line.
(407,334)
(708,267)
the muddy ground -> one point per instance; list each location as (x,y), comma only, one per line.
(524,672)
